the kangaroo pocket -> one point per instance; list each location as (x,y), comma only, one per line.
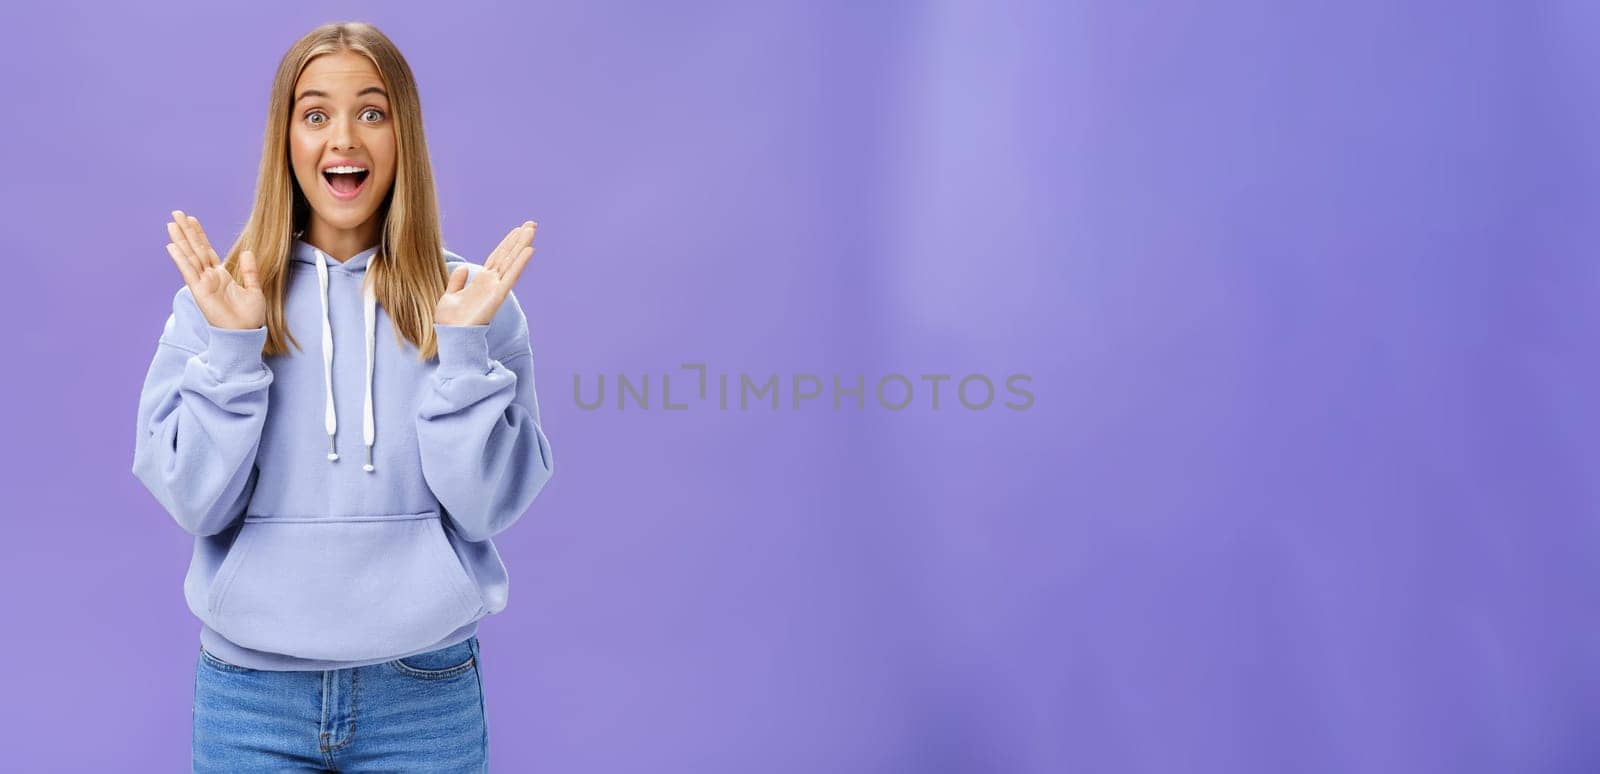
(341,589)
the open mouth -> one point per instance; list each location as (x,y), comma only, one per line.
(345,185)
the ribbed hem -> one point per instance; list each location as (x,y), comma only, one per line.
(224,649)
(463,349)
(234,352)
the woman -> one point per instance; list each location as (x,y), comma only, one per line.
(340,567)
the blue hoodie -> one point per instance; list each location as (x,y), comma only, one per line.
(343,497)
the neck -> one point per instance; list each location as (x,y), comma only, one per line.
(340,243)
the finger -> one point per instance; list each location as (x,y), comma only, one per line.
(247,267)
(206,251)
(458,280)
(187,240)
(184,267)
(528,230)
(524,238)
(192,239)
(181,245)
(217,277)
(521,262)
(501,250)
(180,240)
(178,222)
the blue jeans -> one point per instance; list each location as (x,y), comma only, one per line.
(421,713)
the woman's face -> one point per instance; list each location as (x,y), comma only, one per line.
(341,119)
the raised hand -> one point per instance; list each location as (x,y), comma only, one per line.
(476,304)
(225,303)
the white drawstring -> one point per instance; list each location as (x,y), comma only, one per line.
(369,314)
(330,417)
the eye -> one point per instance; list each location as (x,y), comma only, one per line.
(376,111)
(314,113)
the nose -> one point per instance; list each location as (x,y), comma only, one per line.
(344,137)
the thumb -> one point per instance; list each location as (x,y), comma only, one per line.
(247,265)
(458,280)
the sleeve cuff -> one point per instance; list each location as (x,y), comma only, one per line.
(234,352)
(463,349)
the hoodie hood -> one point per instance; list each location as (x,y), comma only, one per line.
(305,252)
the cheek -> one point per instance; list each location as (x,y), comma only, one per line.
(384,154)
(382,149)
(302,156)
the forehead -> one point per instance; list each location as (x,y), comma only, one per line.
(341,72)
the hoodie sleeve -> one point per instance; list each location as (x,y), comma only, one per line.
(201,411)
(484,455)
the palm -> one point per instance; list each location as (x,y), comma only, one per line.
(224,302)
(228,304)
(475,302)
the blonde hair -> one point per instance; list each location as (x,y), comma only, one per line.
(408,273)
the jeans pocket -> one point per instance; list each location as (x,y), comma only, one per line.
(445,662)
(207,658)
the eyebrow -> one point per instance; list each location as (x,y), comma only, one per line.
(308,93)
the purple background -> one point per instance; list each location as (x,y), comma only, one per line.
(1303,292)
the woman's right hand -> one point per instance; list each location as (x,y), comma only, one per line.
(225,303)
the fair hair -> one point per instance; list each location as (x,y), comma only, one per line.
(408,273)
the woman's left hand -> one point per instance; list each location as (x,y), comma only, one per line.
(476,303)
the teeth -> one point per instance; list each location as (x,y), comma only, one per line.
(345,170)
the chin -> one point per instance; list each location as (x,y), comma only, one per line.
(343,220)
